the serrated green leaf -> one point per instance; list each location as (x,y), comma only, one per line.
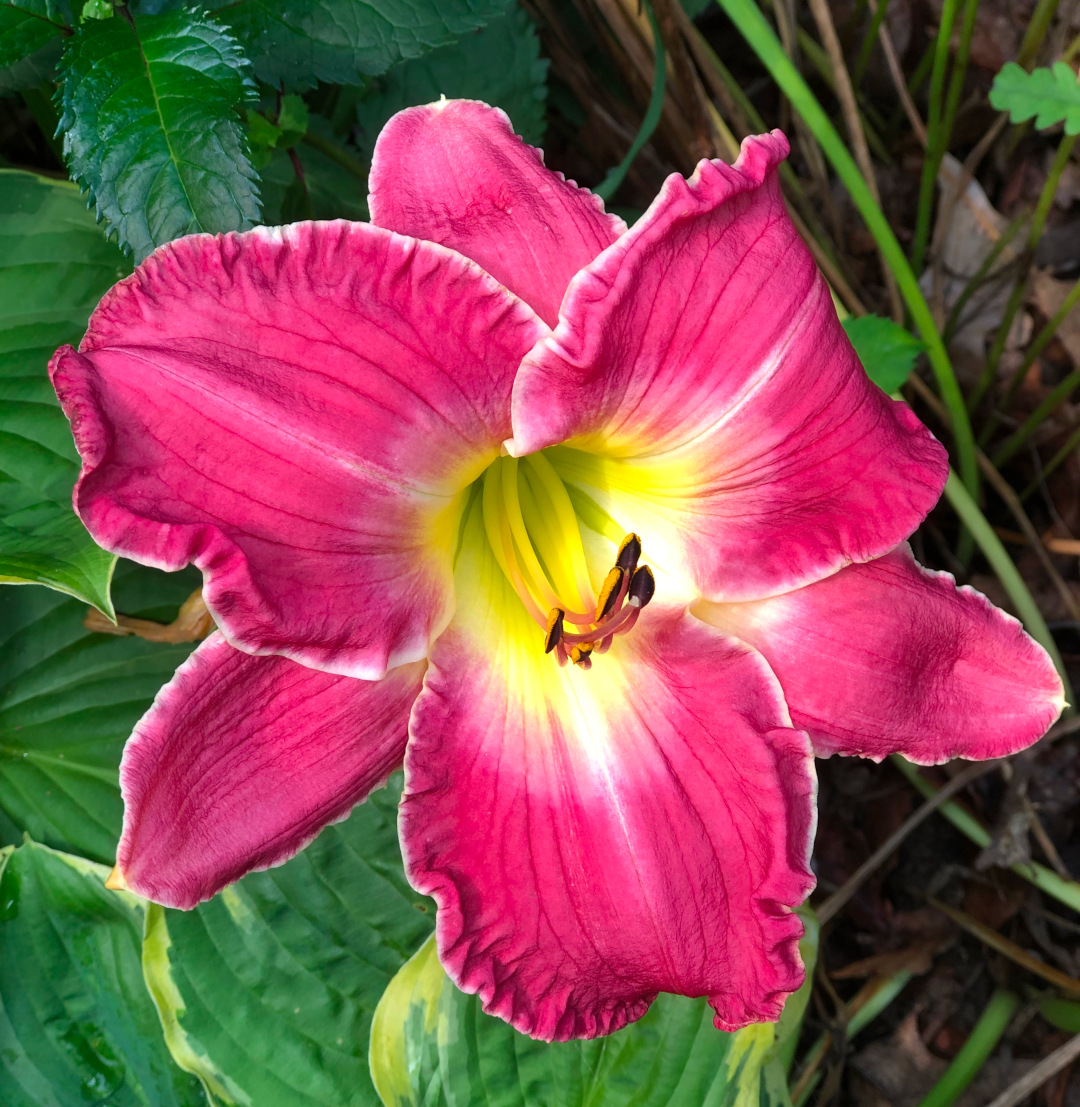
(28,25)
(77,1026)
(339,41)
(54,265)
(267,991)
(151,126)
(1050,95)
(499,64)
(432,1045)
(886,350)
(68,701)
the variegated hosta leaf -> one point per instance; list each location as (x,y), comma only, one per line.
(432,1045)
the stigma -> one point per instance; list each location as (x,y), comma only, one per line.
(533,530)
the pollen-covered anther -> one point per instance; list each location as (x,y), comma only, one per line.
(554,631)
(627,588)
(609,593)
(629,553)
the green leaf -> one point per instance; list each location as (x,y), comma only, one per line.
(334,192)
(151,126)
(338,41)
(1051,95)
(432,1045)
(68,700)
(267,991)
(77,1026)
(33,71)
(28,25)
(499,64)
(54,265)
(886,350)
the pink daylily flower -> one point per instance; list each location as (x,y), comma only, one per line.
(411,456)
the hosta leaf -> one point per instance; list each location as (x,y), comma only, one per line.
(304,41)
(267,991)
(152,129)
(77,1026)
(68,700)
(1050,95)
(432,1045)
(54,265)
(28,25)
(499,64)
(886,350)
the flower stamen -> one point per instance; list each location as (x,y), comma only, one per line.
(536,539)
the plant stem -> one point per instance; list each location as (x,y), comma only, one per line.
(1046,880)
(1058,458)
(754,28)
(336,153)
(1038,222)
(1050,403)
(610,184)
(1037,27)
(867,48)
(984,1036)
(979,278)
(935,150)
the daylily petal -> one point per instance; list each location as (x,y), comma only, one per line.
(593,838)
(891,657)
(700,361)
(454,172)
(296,411)
(242,760)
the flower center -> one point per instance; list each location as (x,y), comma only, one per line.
(534,533)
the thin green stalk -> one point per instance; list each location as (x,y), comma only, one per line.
(1038,223)
(979,278)
(1050,403)
(610,184)
(752,24)
(994,552)
(1046,880)
(1052,465)
(1037,27)
(935,145)
(985,1035)
(887,990)
(959,72)
(867,48)
(336,153)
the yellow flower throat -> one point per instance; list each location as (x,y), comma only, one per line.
(534,533)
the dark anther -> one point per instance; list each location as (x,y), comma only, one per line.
(554,631)
(629,552)
(582,655)
(609,593)
(642,587)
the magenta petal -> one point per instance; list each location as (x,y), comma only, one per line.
(454,172)
(297,411)
(242,760)
(889,657)
(701,357)
(594,838)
